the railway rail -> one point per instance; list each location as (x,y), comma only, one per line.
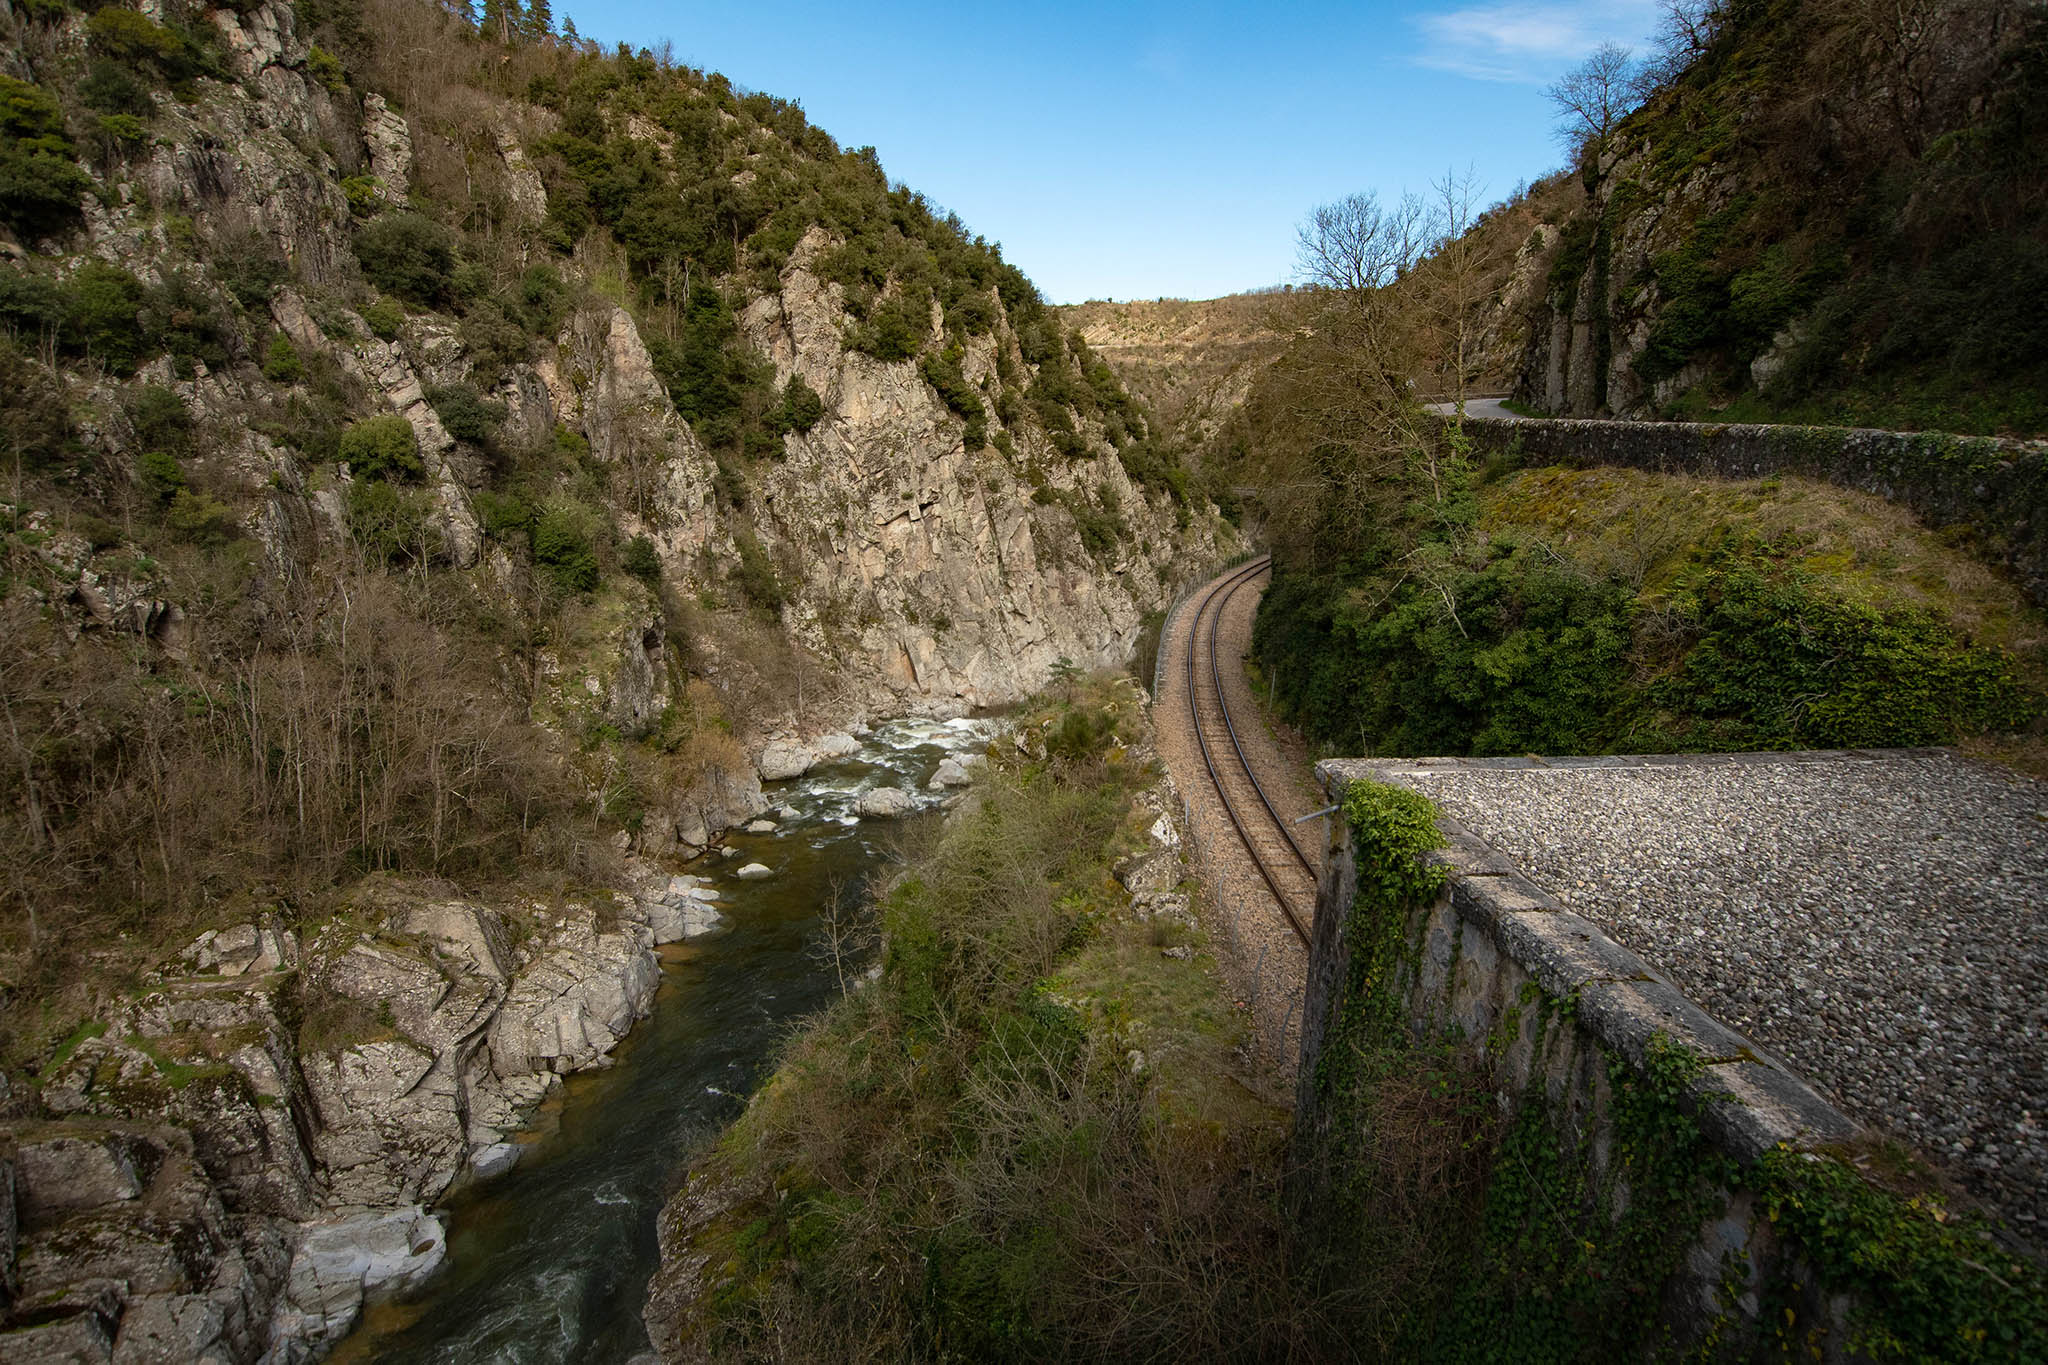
(1285,867)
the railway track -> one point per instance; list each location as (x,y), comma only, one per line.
(1285,867)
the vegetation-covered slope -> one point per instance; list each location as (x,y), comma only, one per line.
(1425,603)
(374,382)
(1828,211)
(1032,1137)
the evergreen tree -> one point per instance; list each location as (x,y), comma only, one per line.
(498,18)
(539,23)
(569,33)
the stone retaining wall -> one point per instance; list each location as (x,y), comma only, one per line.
(1489,937)
(1997,488)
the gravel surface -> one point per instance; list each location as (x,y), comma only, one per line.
(1876,920)
(1266,964)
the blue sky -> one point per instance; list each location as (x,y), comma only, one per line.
(1139,150)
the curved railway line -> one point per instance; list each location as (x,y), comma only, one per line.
(1285,867)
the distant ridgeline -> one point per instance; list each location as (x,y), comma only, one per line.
(1834,213)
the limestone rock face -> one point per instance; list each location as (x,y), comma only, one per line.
(576,1002)
(341,1263)
(121,1249)
(927,567)
(522,182)
(389,1129)
(199,1137)
(390,142)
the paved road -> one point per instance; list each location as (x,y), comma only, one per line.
(1476,407)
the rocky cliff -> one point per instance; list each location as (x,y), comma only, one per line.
(407,565)
(1826,211)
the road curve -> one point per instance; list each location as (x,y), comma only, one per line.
(1476,407)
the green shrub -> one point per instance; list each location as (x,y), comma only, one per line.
(324,67)
(40,181)
(104,318)
(161,476)
(127,36)
(800,407)
(755,576)
(565,544)
(384,318)
(181,317)
(942,371)
(392,524)
(495,341)
(466,414)
(203,521)
(365,194)
(382,450)
(250,266)
(506,517)
(110,88)
(408,256)
(124,128)
(32,305)
(540,301)
(640,560)
(1777,663)
(718,383)
(1518,654)
(161,421)
(281,363)
(897,327)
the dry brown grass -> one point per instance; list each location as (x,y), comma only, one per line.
(1189,362)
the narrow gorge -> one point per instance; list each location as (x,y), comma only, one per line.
(619,743)
(448,523)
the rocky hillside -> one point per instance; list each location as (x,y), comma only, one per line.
(1828,211)
(448,476)
(1190,361)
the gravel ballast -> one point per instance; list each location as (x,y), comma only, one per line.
(1875,919)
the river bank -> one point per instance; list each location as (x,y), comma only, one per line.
(550,1261)
(257,1141)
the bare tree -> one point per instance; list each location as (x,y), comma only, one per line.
(1457,280)
(1357,245)
(1685,30)
(1591,99)
(1340,426)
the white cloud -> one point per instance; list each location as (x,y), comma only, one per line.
(1528,42)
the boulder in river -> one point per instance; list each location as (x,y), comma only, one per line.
(782,759)
(835,745)
(952,773)
(885,803)
(342,1262)
(754,872)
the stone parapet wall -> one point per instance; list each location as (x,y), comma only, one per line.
(1997,488)
(1479,955)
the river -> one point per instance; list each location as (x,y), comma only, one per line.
(550,1261)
